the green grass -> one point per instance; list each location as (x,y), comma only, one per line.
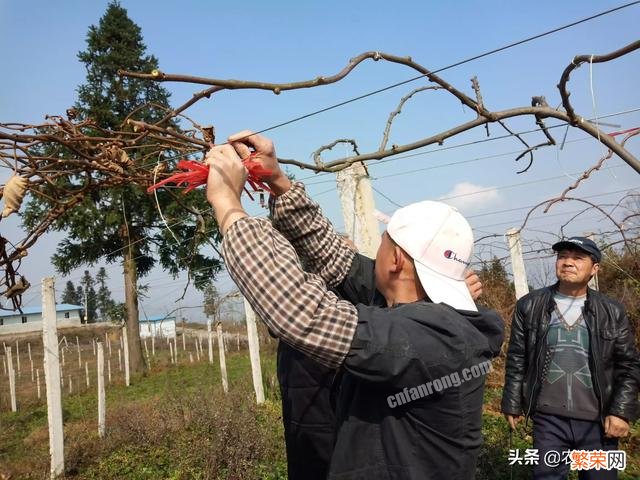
(182,390)
(176,423)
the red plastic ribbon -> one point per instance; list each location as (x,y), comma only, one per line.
(196,173)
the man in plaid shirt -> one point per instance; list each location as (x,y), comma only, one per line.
(406,335)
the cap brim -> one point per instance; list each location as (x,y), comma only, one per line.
(565,244)
(443,289)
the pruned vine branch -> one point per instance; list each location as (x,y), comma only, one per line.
(75,157)
(538,109)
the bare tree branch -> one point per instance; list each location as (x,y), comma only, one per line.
(589,171)
(579,60)
(398,110)
(39,154)
(316,155)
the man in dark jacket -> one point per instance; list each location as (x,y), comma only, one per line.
(308,391)
(308,413)
(572,364)
(412,371)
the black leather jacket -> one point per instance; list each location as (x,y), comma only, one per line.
(613,360)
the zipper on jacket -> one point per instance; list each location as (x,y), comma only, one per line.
(594,372)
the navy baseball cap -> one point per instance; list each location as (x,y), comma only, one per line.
(580,243)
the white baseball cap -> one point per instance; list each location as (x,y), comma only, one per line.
(440,242)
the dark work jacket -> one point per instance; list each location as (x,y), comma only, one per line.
(401,347)
(307,413)
(613,359)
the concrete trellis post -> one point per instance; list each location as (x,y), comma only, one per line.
(30,361)
(12,380)
(197,349)
(356,198)
(4,363)
(120,359)
(52,377)
(38,382)
(223,362)
(175,349)
(18,357)
(171,352)
(79,353)
(62,354)
(254,351)
(101,394)
(153,345)
(109,370)
(210,341)
(190,357)
(184,340)
(70,385)
(238,341)
(86,373)
(125,342)
(517,263)
(93,342)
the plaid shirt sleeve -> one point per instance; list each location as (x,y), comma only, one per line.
(301,221)
(294,304)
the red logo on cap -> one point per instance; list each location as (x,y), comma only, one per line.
(451,255)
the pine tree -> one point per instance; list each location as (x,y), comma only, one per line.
(211,301)
(79,296)
(121,224)
(104,302)
(498,290)
(70,295)
(89,300)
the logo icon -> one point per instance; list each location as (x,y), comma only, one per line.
(451,255)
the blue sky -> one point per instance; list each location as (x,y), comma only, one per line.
(288,41)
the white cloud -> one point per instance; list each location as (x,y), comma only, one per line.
(468,197)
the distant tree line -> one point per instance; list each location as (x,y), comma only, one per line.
(95,297)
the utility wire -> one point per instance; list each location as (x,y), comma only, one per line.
(492,189)
(531,206)
(432,167)
(453,65)
(448,67)
(475,142)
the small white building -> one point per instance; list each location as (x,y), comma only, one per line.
(30,320)
(158,326)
